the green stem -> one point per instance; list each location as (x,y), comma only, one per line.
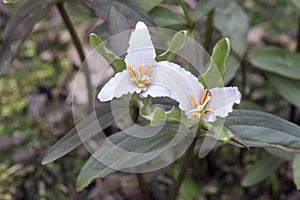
(185,165)
(186,13)
(209,31)
(78,46)
(140,178)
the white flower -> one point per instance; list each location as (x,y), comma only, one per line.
(140,76)
(196,101)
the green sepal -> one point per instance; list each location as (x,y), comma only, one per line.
(118,64)
(176,44)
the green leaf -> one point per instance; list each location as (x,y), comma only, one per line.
(117,22)
(176,44)
(232,21)
(259,129)
(232,68)
(84,131)
(189,188)
(18,27)
(176,116)
(296,3)
(204,7)
(117,63)
(218,131)
(149,5)
(164,17)
(214,75)
(10,1)
(296,171)
(281,154)
(262,169)
(278,61)
(130,8)
(118,159)
(220,55)
(288,88)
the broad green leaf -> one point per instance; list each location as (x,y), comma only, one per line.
(232,68)
(278,61)
(164,17)
(262,169)
(85,130)
(176,44)
(149,5)
(117,63)
(11,1)
(117,22)
(296,171)
(189,188)
(281,154)
(18,27)
(117,147)
(259,129)
(296,3)
(220,55)
(204,7)
(214,75)
(232,21)
(288,88)
(130,8)
(176,116)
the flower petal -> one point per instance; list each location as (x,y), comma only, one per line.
(181,82)
(221,102)
(141,49)
(119,85)
(157,88)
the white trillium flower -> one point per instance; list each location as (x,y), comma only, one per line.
(141,74)
(145,76)
(196,101)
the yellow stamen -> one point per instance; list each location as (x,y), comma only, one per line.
(133,74)
(200,109)
(147,70)
(207,110)
(193,101)
(140,71)
(204,97)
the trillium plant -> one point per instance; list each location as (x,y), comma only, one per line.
(148,78)
(172,109)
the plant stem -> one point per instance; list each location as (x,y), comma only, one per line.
(143,186)
(79,49)
(298,37)
(209,31)
(185,165)
(140,178)
(186,13)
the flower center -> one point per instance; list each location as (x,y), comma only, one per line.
(200,109)
(139,76)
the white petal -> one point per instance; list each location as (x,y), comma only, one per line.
(141,49)
(117,86)
(182,83)
(156,89)
(221,102)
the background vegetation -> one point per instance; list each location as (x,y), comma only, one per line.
(39,59)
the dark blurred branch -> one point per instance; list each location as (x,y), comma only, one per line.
(79,49)
(184,168)
(143,186)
